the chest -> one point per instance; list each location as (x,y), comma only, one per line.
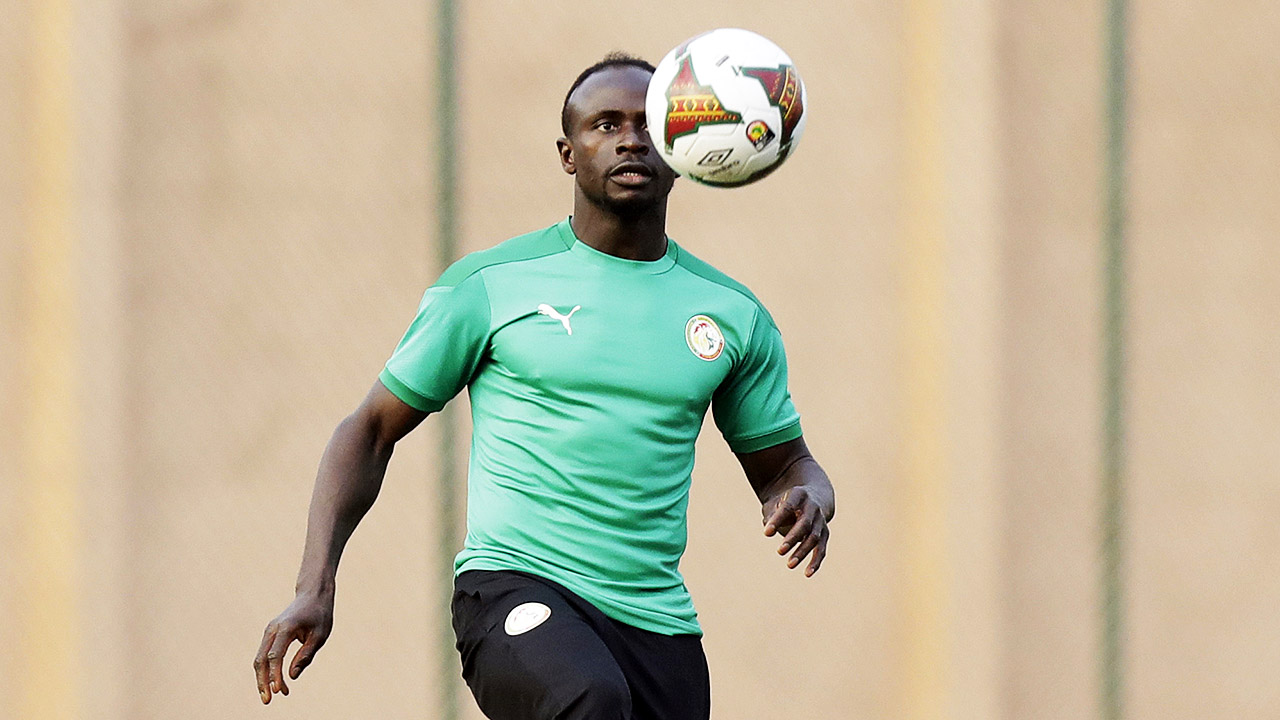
(660,345)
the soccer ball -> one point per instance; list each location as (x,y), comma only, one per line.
(725,107)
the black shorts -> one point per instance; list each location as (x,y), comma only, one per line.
(532,650)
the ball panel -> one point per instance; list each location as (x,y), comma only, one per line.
(692,105)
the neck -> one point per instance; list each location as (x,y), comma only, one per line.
(642,236)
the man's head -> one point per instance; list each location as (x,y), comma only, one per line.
(606,144)
(612,60)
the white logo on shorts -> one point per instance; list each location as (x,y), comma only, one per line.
(526,617)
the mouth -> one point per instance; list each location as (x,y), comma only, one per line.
(631,174)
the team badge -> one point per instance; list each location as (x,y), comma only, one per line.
(759,134)
(704,337)
(525,617)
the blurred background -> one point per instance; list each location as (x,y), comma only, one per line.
(1026,259)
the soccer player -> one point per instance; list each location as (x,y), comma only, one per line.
(591,350)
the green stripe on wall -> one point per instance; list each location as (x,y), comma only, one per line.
(446,243)
(1113,447)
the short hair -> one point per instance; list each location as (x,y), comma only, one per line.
(613,59)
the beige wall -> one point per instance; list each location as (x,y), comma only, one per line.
(1051,128)
(12,51)
(1206,362)
(250,223)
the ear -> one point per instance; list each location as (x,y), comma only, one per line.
(566,156)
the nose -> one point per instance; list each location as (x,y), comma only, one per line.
(633,138)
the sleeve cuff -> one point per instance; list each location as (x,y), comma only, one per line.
(777,437)
(407,395)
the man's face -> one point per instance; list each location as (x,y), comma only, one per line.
(608,148)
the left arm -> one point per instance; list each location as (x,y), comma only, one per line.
(797,499)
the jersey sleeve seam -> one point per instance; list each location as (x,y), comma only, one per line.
(751,336)
(488,300)
(497,263)
(752,440)
(755,302)
(416,400)
(488,320)
(742,291)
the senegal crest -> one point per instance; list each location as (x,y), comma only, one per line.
(704,337)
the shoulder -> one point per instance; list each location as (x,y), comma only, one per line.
(540,243)
(708,273)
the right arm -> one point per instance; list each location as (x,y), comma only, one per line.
(350,476)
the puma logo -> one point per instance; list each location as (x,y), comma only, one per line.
(545,309)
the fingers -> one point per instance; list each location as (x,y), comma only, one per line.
(314,641)
(816,543)
(804,529)
(260,665)
(267,665)
(819,553)
(775,520)
(801,530)
(309,620)
(275,662)
(785,511)
(804,548)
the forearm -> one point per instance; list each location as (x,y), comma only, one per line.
(348,481)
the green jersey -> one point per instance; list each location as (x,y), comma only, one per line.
(590,376)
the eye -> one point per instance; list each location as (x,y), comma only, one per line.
(606,125)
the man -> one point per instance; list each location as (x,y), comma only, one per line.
(591,351)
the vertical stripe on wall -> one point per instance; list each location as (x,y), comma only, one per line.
(47,599)
(446,242)
(926,636)
(1113,446)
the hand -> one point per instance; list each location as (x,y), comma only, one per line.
(309,620)
(801,520)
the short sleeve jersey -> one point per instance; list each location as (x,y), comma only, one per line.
(589,377)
